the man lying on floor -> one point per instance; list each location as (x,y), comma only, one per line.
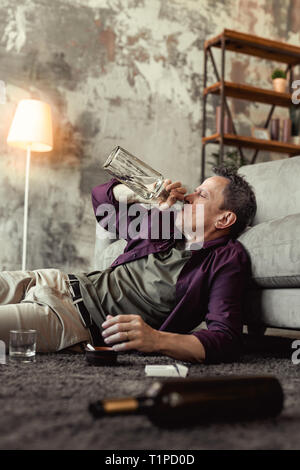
(157,292)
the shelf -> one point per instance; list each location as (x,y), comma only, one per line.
(256,46)
(251,93)
(263,48)
(251,142)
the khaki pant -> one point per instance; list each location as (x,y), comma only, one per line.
(40,300)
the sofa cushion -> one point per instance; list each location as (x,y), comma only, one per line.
(105,255)
(274,249)
(278,308)
(276,186)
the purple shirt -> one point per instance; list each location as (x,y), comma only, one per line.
(210,287)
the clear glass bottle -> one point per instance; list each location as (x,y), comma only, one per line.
(135,174)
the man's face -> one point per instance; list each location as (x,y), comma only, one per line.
(210,195)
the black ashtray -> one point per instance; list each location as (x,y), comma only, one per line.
(102,356)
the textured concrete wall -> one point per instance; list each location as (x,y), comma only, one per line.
(125,72)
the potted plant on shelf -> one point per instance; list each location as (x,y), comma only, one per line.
(232,159)
(279,80)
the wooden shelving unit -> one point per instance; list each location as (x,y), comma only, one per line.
(254,46)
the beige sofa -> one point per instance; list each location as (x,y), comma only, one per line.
(273,243)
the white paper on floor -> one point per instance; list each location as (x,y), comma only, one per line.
(178,370)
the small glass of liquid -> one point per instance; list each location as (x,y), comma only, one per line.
(22,345)
(134,173)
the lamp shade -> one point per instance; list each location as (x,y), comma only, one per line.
(32,126)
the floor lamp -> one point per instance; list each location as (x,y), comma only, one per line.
(31,130)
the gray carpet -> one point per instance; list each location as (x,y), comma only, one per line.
(44,405)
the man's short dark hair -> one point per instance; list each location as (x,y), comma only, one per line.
(239,198)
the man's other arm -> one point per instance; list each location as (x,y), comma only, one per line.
(130,332)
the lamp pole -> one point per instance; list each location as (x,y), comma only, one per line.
(31,130)
(25,225)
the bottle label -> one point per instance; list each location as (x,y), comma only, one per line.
(119,405)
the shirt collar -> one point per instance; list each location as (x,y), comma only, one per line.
(216,241)
(211,243)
